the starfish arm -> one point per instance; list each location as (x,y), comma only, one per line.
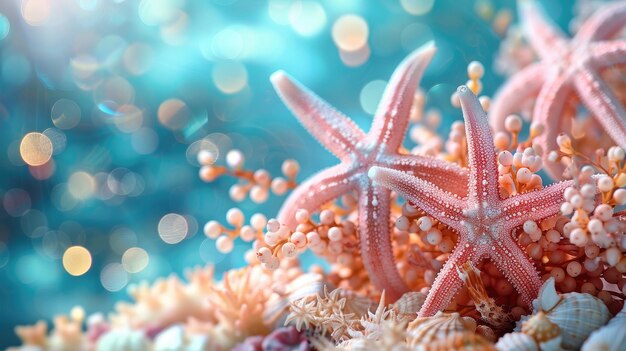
(517,268)
(374,236)
(444,206)
(600,100)
(544,35)
(339,134)
(535,205)
(483,178)
(603,24)
(317,190)
(392,115)
(605,54)
(549,111)
(515,93)
(443,174)
(447,283)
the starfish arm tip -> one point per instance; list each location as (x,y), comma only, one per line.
(279,78)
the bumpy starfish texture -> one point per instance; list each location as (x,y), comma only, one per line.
(484,222)
(358,152)
(567,69)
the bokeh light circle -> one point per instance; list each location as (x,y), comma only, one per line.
(371,94)
(135,260)
(307,18)
(5,26)
(114,277)
(4,254)
(173,228)
(36,12)
(417,7)
(65,114)
(174,114)
(16,202)
(76,260)
(81,185)
(350,32)
(230,77)
(35,149)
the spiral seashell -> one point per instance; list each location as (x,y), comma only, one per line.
(611,337)
(578,315)
(540,328)
(459,341)
(123,340)
(409,304)
(428,329)
(517,342)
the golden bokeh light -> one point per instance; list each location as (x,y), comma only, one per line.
(76,260)
(36,149)
(135,260)
(417,7)
(350,32)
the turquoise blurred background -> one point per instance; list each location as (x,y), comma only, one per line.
(93,75)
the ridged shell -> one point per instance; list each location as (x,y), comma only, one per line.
(459,341)
(427,329)
(517,342)
(309,284)
(540,328)
(611,337)
(409,303)
(123,340)
(578,315)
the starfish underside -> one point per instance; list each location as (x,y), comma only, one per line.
(484,222)
(568,71)
(359,151)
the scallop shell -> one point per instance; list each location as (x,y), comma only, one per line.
(611,337)
(123,340)
(578,315)
(427,329)
(540,328)
(517,342)
(409,304)
(459,341)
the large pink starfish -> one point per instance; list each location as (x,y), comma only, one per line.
(567,68)
(484,222)
(358,152)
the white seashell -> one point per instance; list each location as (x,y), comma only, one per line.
(540,328)
(517,342)
(428,329)
(611,337)
(459,341)
(578,315)
(123,340)
(409,304)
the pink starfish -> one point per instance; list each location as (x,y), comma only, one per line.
(484,222)
(567,68)
(358,152)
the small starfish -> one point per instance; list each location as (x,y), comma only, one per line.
(568,68)
(358,152)
(484,222)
